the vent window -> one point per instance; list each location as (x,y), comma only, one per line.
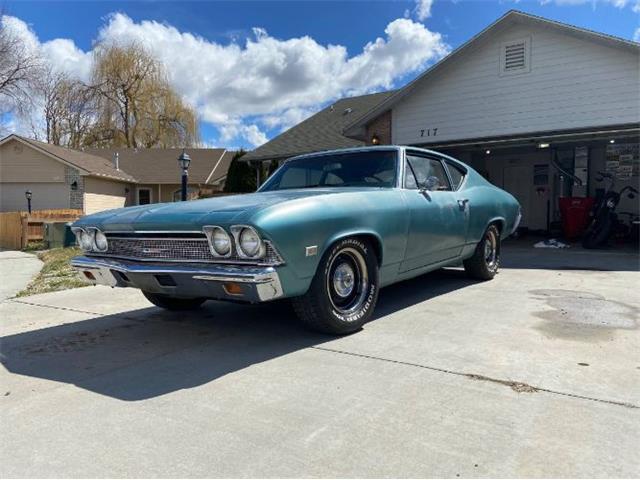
(514,57)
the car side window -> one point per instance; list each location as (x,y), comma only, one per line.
(424,170)
(457,175)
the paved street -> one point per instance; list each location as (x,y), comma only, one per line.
(536,373)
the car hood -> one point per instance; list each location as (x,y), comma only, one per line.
(193,214)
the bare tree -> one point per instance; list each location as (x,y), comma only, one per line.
(19,70)
(68,109)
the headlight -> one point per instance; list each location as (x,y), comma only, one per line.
(84,238)
(219,240)
(100,241)
(250,242)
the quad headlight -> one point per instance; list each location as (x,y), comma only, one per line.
(250,242)
(244,241)
(100,241)
(219,241)
(91,239)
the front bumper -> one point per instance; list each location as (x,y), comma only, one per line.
(220,282)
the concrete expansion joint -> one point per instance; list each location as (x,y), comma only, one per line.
(519,387)
(55,307)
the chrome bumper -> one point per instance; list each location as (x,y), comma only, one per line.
(219,282)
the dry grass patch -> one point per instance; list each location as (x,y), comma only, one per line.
(56,274)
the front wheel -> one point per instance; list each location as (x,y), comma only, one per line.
(173,303)
(484,263)
(344,291)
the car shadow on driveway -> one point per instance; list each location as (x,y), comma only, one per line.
(149,352)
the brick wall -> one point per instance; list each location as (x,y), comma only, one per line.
(380,127)
(76,191)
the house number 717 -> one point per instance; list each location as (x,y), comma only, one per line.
(429,132)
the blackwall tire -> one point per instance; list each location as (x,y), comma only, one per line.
(344,290)
(173,303)
(485,262)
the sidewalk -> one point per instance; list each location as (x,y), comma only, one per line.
(17,269)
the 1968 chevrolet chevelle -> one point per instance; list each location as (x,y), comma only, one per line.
(327,230)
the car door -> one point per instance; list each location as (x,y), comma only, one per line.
(438,220)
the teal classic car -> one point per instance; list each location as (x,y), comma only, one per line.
(326,230)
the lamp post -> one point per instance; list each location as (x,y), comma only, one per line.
(184,160)
(28,195)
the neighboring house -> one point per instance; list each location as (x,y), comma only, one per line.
(158,175)
(62,178)
(520,99)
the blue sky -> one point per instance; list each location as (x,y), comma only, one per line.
(246,94)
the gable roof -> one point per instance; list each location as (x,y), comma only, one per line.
(160,165)
(513,17)
(321,131)
(88,164)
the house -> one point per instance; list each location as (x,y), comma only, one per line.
(537,106)
(157,173)
(96,180)
(322,131)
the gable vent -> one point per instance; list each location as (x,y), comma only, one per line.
(514,57)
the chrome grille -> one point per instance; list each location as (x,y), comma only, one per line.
(188,249)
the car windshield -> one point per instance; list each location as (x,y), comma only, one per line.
(354,169)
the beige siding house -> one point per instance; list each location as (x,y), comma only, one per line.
(94,180)
(59,178)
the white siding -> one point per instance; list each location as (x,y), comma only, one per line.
(573,83)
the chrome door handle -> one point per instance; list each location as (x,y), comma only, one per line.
(463,203)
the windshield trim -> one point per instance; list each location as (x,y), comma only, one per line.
(399,160)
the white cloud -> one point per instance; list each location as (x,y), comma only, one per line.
(423,9)
(274,82)
(251,134)
(636,35)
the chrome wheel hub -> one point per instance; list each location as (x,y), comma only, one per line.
(347,281)
(490,249)
(343,280)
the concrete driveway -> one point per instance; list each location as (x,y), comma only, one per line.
(16,269)
(536,373)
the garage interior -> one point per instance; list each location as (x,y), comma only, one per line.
(540,170)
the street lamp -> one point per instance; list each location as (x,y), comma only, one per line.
(28,194)
(184,160)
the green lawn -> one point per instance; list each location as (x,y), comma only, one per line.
(56,274)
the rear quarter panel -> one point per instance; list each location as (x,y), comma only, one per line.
(488,204)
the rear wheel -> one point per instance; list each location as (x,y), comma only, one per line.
(173,303)
(343,292)
(485,261)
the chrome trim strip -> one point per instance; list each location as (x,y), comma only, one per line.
(221,261)
(107,232)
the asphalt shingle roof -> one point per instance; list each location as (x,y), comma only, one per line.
(160,165)
(322,131)
(92,164)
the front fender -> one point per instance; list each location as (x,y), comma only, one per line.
(296,229)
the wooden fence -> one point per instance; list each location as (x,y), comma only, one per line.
(17,229)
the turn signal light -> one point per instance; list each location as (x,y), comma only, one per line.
(232,288)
